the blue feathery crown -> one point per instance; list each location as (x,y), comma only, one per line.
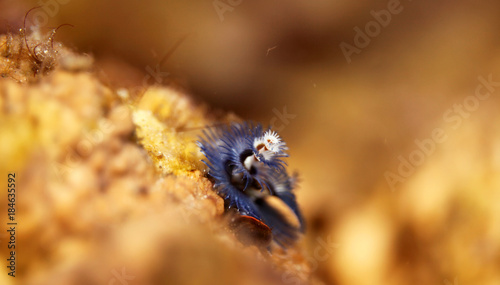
(244,160)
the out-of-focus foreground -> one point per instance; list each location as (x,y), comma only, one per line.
(390,110)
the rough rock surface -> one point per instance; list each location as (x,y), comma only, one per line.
(110,184)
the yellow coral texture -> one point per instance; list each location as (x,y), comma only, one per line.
(389,110)
(110,187)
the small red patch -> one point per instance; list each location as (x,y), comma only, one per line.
(251,231)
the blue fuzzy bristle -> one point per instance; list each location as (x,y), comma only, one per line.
(235,165)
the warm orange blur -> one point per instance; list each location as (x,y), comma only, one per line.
(396,139)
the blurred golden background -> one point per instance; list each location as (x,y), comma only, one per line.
(392,210)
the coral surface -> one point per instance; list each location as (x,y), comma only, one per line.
(110,186)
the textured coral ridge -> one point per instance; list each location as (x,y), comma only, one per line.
(26,58)
(110,185)
(245,161)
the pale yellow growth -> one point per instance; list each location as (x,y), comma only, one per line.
(108,179)
(164,128)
